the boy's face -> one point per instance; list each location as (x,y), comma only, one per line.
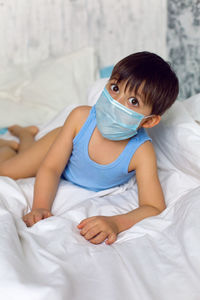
(132,101)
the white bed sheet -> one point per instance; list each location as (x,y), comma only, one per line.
(157,259)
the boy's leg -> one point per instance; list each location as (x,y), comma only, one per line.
(6,143)
(26,163)
(6,153)
(8,149)
(26,135)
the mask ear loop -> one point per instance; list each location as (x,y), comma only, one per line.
(148,116)
(145,117)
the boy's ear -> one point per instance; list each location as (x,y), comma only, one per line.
(152,121)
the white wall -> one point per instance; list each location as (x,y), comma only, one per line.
(33,30)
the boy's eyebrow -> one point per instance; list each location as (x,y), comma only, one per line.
(139,96)
(113,79)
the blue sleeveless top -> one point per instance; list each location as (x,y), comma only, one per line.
(83,171)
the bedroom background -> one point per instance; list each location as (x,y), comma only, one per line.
(37,31)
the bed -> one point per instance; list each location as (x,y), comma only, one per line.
(157,259)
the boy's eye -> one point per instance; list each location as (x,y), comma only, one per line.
(133,101)
(114,88)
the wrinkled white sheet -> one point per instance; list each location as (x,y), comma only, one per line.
(157,259)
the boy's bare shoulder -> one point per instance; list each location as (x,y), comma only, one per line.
(144,155)
(79,115)
(81,112)
(82,109)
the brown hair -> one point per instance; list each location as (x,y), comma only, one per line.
(160,82)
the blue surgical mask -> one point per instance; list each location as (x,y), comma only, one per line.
(114,120)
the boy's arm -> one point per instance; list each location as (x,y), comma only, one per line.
(150,196)
(48,175)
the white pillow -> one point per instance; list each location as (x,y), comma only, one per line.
(23,113)
(57,83)
(96,90)
(193,107)
(12,80)
(177,137)
(34,95)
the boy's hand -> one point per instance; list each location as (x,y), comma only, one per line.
(36,215)
(98,229)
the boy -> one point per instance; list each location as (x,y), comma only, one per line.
(101,147)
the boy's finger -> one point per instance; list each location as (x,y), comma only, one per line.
(24,218)
(47,214)
(31,221)
(28,221)
(83,223)
(88,226)
(25,221)
(37,218)
(91,233)
(99,238)
(111,238)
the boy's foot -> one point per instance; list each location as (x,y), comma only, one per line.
(12,144)
(17,130)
